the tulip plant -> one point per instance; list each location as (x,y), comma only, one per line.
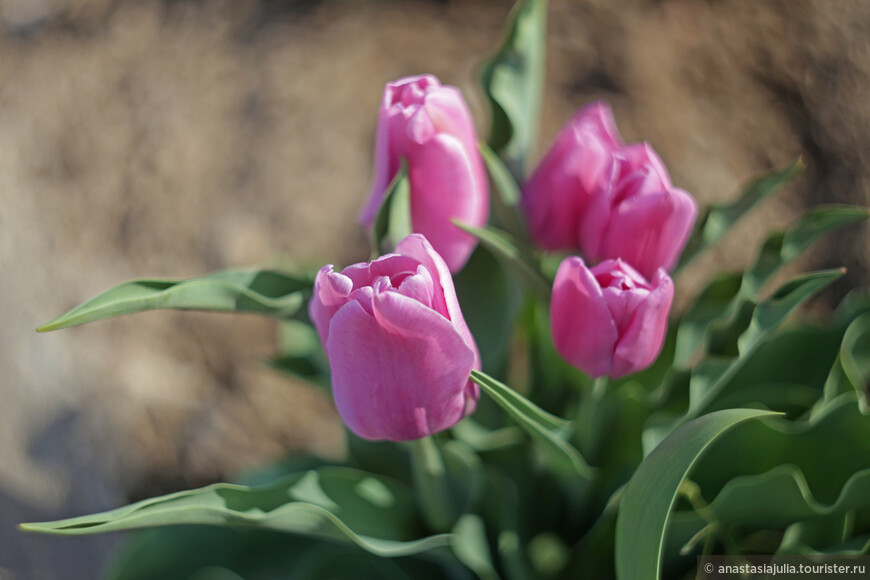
(521,400)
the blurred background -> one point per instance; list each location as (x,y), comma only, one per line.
(143,138)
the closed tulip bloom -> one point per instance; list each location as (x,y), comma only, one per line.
(569,175)
(639,215)
(400,352)
(609,320)
(430,126)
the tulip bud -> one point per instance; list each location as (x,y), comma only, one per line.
(400,352)
(609,200)
(609,320)
(565,181)
(430,126)
(638,216)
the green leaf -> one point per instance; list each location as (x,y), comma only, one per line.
(782,247)
(513,83)
(263,291)
(642,522)
(720,218)
(300,353)
(447,480)
(516,255)
(548,430)
(727,292)
(470,545)
(393,220)
(732,345)
(490,298)
(335,503)
(506,194)
(781,496)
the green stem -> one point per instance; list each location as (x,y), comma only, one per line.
(431,485)
(589,418)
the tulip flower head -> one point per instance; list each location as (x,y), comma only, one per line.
(574,169)
(400,352)
(609,200)
(638,216)
(609,320)
(430,126)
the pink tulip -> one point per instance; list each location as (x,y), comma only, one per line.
(638,215)
(609,320)
(398,346)
(609,200)
(429,125)
(571,173)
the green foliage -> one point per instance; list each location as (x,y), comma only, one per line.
(646,505)
(268,292)
(513,81)
(718,219)
(393,220)
(516,255)
(334,503)
(549,431)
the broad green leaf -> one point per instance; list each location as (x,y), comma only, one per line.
(720,218)
(782,496)
(208,552)
(506,194)
(807,475)
(513,82)
(332,503)
(829,449)
(642,523)
(548,430)
(393,220)
(515,254)
(268,292)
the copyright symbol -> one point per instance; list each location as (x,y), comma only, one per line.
(708,568)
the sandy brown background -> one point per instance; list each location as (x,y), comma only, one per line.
(170,138)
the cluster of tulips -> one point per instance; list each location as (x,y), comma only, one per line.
(399,349)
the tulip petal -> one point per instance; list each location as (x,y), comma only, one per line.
(642,341)
(641,155)
(450,115)
(447,183)
(583,330)
(649,231)
(331,291)
(400,374)
(419,286)
(444,298)
(572,173)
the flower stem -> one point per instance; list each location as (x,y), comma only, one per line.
(431,484)
(589,418)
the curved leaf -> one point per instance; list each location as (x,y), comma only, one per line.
(393,220)
(723,297)
(513,82)
(335,503)
(515,255)
(646,506)
(548,430)
(720,218)
(263,291)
